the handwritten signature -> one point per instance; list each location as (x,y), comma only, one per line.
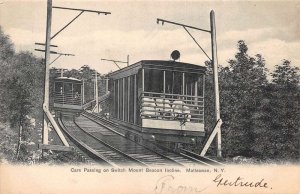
(165,184)
(240,182)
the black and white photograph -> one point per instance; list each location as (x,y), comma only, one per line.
(149,96)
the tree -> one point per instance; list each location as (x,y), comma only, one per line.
(285,111)
(241,85)
(19,108)
(6,54)
(23,95)
(20,93)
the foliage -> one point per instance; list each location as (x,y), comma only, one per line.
(260,118)
(21,99)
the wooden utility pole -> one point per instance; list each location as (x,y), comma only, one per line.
(47,115)
(106,85)
(96,93)
(216,80)
(216,131)
(83,100)
(47,71)
(127,60)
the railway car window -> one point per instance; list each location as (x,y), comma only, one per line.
(200,85)
(116,98)
(131,99)
(126,99)
(120,98)
(169,82)
(139,91)
(177,82)
(68,88)
(111,105)
(190,82)
(77,88)
(59,87)
(174,82)
(154,80)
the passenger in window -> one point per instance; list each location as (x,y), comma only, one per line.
(76,95)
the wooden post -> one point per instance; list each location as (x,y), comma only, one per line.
(123,98)
(128,98)
(196,92)
(96,92)
(183,88)
(83,91)
(47,71)
(216,81)
(127,60)
(114,95)
(134,99)
(143,80)
(118,106)
(164,89)
(106,85)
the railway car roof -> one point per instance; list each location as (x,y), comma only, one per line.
(158,64)
(67,79)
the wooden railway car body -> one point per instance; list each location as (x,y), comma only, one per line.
(67,94)
(162,100)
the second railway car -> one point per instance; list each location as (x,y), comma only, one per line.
(162,100)
(68,94)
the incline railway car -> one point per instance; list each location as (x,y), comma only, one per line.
(161,100)
(67,94)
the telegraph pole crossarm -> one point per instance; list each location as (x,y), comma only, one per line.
(178,24)
(59,55)
(51,52)
(42,44)
(115,61)
(87,10)
(81,12)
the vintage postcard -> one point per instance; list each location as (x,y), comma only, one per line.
(148,96)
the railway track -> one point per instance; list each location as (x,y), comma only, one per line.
(148,156)
(104,142)
(108,128)
(98,150)
(110,148)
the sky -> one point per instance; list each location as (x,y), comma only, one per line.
(271,29)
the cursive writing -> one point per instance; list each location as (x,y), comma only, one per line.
(165,184)
(239,182)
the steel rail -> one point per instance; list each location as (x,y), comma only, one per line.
(107,127)
(203,158)
(110,146)
(90,152)
(184,153)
